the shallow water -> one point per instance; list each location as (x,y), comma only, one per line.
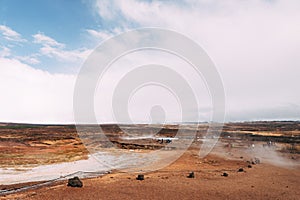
(48,172)
(95,164)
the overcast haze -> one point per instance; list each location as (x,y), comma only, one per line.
(255,46)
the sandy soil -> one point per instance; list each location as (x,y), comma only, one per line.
(262,181)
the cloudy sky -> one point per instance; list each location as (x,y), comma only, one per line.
(255,46)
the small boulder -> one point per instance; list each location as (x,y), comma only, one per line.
(140,177)
(240,170)
(249,166)
(225,174)
(191,175)
(255,161)
(74,182)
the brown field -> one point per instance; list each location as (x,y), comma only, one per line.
(276,177)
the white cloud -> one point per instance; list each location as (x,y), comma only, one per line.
(106,9)
(53,49)
(29,59)
(10,34)
(41,38)
(255,45)
(64,55)
(33,95)
(104,34)
(4,51)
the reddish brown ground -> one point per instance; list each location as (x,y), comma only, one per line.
(38,145)
(262,181)
(33,145)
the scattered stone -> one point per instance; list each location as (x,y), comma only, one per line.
(240,170)
(225,174)
(191,175)
(140,177)
(74,182)
(255,161)
(241,157)
(249,166)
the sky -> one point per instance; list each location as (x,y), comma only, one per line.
(255,46)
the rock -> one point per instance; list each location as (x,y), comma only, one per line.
(240,170)
(225,174)
(255,161)
(191,175)
(140,177)
(74,182)
(249,166)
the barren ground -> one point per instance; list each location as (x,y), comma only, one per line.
(262,181)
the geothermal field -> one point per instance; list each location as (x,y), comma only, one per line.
(251,160)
